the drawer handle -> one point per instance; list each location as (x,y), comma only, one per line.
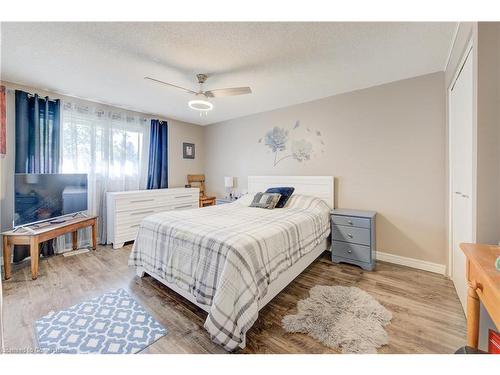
(349,222)
(349,235)
(142,212)
(142,200)
(349,251)
(183,196)
(185,206)
(135,225)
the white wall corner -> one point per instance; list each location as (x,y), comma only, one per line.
(411,262)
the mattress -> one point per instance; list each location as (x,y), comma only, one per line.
(227,255)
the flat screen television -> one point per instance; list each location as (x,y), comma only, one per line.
(46,197)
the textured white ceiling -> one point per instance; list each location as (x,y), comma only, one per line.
(283,63)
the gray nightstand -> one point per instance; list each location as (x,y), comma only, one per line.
(353,237)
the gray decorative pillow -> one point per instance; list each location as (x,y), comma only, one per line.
(265,200)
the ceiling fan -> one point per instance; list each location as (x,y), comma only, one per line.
(200,102)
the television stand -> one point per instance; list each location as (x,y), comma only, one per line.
(44,232)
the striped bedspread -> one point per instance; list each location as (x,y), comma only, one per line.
(227,255)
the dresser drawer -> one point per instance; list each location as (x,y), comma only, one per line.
(351,221)
(351,234)
(142,203)
(136,216)
(125,218)
(185,205)
(126,234)
(136,203)
(351,251)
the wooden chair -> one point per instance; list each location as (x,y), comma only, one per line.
(198,180)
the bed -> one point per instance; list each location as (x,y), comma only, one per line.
(231,259)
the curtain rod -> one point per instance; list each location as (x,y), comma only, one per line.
(88,102)
(8,88)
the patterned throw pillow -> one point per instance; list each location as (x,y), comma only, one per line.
(285,192)
(265,200)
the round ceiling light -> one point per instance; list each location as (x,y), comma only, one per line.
(200,105)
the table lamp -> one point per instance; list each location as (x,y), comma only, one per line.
(229,184)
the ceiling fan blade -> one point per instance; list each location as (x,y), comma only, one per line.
(228,92)
(170,84)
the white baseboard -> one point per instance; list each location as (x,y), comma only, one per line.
(411,262)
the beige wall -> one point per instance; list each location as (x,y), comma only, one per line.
(178,168)
(385,145)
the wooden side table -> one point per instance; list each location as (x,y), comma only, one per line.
(483,285)
(44,232)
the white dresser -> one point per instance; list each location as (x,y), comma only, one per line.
(126,209)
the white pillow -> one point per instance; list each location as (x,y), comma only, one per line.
(245,200)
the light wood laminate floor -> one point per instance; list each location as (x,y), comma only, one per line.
(427,316)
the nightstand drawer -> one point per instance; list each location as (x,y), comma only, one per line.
(351,221)
(351,251)
(351,234)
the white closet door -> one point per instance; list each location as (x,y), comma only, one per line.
(461,158)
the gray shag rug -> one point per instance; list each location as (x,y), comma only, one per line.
(341,317)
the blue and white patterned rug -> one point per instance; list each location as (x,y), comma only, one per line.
(112,323)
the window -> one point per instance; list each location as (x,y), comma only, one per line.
(110,146)
(104,143)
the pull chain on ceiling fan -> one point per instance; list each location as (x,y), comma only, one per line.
(200,102)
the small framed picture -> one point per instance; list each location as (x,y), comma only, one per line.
(188,150)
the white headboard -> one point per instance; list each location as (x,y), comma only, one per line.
(317,186)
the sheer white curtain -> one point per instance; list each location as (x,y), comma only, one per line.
(111,146)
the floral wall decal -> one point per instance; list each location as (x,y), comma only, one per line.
(276,139)
(301,150)
(301,143)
